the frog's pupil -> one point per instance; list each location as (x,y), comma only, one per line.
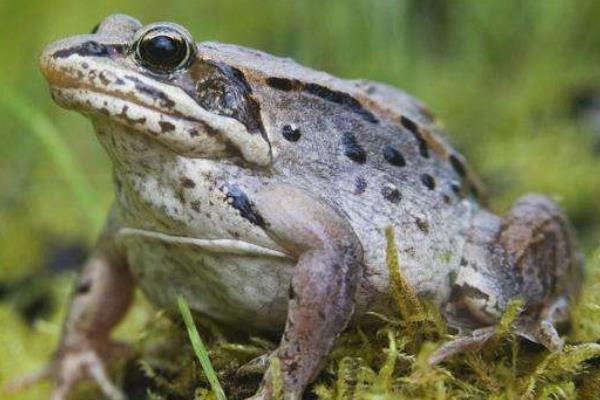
(162,51)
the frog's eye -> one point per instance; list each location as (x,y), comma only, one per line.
(163,50)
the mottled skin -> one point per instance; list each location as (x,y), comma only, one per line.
(260,189)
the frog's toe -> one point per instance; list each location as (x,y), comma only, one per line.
(543,332)
(548,336)
(66,370)
(256,366)
(70,367)
(471,342)
(73,367)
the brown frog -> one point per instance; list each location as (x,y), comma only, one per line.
(259,190)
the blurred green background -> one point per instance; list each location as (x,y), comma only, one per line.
(516,84)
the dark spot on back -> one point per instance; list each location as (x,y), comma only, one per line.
(393,156)
(166,126)
(195,205)
(187,182)
(280,84)
(409,124)
(360,185)
(291,133)
(414,129)
(240,201)
(428,181)
(457,164)
(341,98)
(422,225)
(391,194)
(456,188)
(352,149)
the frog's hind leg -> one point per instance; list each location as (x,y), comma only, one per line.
(530,255)
(543,329)
(468,342)
(540,248)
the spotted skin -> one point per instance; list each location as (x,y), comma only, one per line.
(259,190)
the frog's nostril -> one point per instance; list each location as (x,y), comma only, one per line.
(95,28)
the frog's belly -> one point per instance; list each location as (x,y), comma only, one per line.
(244,289)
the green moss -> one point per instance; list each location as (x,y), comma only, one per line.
(391,362)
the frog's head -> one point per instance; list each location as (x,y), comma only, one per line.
(150,80)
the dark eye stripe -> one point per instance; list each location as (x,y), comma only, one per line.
(90,49)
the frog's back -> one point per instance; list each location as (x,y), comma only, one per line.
(371,151)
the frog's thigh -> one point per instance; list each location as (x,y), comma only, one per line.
(323,287)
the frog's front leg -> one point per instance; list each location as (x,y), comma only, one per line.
(101,297)
(528,254)
(323,287)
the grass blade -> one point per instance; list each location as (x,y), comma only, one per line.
(200,349)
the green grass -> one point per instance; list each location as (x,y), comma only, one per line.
(200,349)
(499,75)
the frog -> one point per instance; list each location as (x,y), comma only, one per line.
(259,190)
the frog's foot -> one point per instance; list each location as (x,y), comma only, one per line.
(256,366)
(471,342)
(543,330)
(71,366)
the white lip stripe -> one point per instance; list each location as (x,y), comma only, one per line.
(217,245)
